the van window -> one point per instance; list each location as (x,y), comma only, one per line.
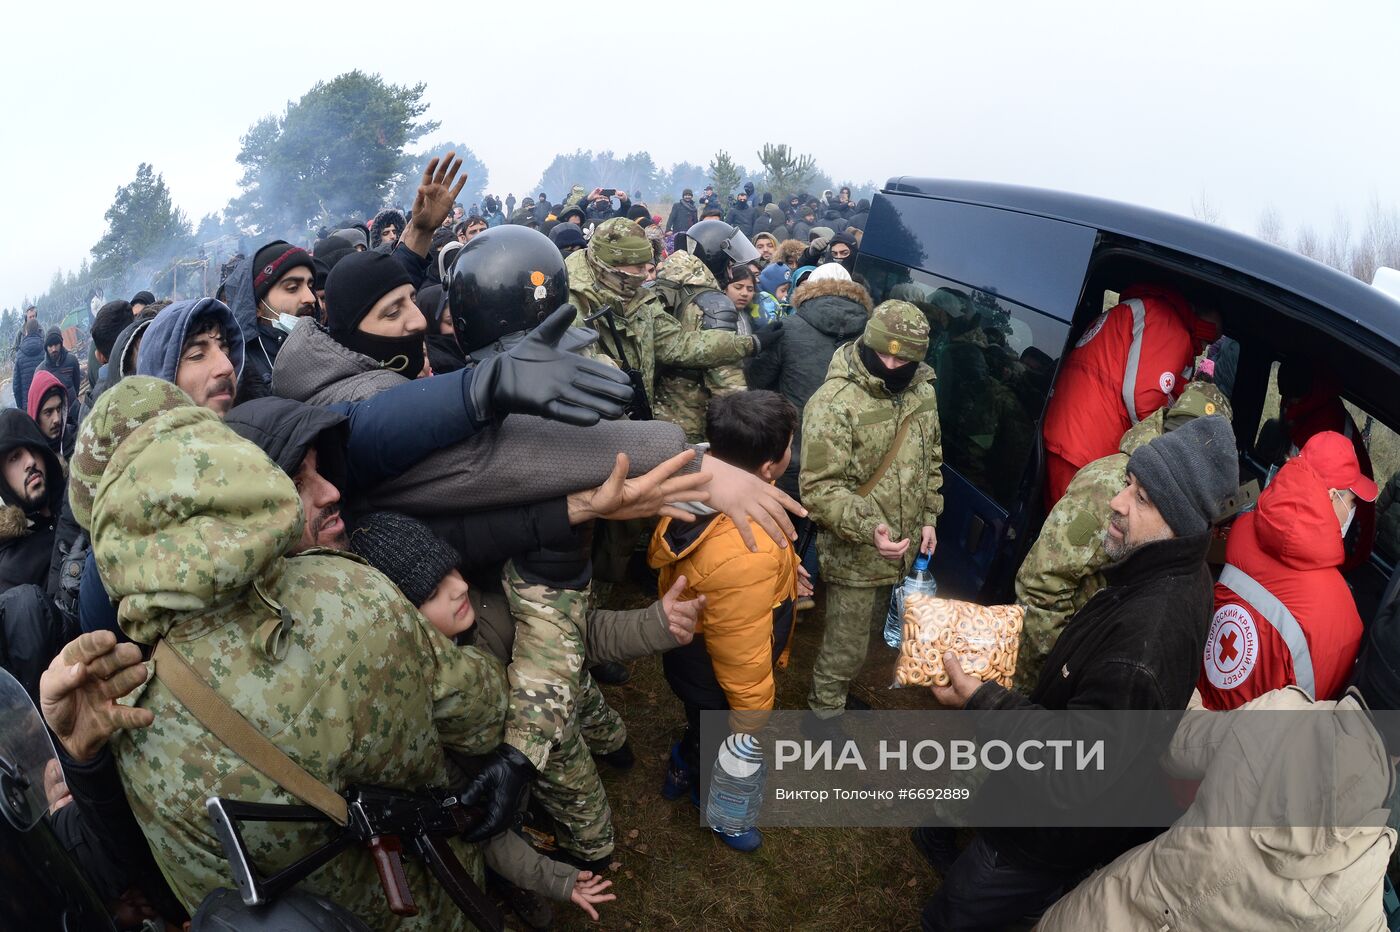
(995,360)
(1382,445)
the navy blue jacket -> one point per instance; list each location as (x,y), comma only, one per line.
(27,360)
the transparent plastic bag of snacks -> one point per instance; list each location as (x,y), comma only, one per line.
(986,638)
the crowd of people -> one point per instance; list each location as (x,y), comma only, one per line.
(372,495)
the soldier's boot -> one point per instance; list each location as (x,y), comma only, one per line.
(570,790)
(851,614)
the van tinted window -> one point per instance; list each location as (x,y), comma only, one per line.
(1273,445)
(995,360)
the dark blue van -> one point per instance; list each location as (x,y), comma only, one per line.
(1033,269)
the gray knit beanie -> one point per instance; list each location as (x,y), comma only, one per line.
(403,549)
(1189,473)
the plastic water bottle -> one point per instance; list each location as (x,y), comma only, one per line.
(736,786)
(919,581)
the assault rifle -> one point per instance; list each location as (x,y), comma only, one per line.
(386,821)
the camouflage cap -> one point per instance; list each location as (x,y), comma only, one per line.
(899,329)
(1198,399)
(620,241)
(118,412)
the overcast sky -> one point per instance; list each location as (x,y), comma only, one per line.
(1289,104)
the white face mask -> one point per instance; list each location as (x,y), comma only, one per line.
(283,322)
(1351,514)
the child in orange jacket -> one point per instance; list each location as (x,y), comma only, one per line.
(749,595)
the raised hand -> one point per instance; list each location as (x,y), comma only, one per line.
(78,693)
(437,192)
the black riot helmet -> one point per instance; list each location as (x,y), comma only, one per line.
(719,245)
(507,280)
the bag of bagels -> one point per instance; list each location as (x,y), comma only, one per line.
(986,639)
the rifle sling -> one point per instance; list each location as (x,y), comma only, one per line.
(890,454)
(235,731)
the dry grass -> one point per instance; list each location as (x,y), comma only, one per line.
(675,875)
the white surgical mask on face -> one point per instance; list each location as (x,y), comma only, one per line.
(1351,514)
(283,322)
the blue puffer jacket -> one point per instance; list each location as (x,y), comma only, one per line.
(27,360)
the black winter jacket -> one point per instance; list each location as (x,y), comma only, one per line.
(26,539)
(1137,645)
(28,358)
(66,370)
(741,216)
(31,635)
(682,218)
(825,315)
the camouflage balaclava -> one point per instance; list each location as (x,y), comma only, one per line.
(616,242)
(898,329)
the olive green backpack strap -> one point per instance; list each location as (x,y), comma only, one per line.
(239,735)
(890,454)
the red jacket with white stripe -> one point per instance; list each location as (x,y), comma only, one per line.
(1283,613)
(1090,411)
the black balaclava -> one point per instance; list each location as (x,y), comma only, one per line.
(895,380)
(356,283)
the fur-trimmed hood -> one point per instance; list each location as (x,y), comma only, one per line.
(839,309)
(841,289)
(13,522)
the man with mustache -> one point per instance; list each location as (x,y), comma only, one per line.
(32,492)
(1137,644)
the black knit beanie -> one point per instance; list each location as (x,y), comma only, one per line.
(53,338)
(356,282)
(142,297)
(403,549)
(1189,473)
(273,261)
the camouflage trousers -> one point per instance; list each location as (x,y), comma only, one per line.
(852,614)
(570,789)
(569,709)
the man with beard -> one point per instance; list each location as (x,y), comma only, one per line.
(1136,645)
(63,364)
(49,406)
(32,492)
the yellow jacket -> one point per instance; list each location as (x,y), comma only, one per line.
(742,590)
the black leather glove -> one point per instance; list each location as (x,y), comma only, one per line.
(498,789)
(768,337)
(542,375)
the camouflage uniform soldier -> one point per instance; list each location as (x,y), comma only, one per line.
(690,292)
(849,425)
(1064,568)
(599,276)
(319,652)
(643,333)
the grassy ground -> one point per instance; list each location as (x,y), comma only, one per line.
(672,874)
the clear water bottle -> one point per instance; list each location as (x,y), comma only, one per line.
(736,786)
(919,581)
